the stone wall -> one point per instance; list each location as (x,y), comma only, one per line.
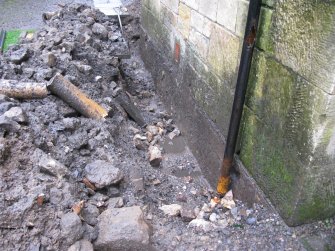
(287,139)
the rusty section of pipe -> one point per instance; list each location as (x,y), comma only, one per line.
(23,90)
(240,91)
(75,98)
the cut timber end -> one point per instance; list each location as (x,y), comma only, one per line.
(75,98)
(23,90)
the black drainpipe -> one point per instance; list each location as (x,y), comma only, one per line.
(240,91)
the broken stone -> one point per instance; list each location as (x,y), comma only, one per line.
(100,30)
(20,55)
(115,202)
(82,245)
(171,210)
(49,165)
(155,156)
(16,114)
(71,227)
(103,174)
(122,229)
(154,130)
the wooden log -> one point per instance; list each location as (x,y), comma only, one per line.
(23,90)
(75,98)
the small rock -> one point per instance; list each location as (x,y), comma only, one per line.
(122,229)
(228,200)
(8,124)
(52,60)
(20,55)
(3,150)
(115,202)
(49,165)
(103,174)
(82,245)
(71,227)
(251,221)
(16,114)
(171,210)
(5,106)
(214,217)
(90,214)
(187,214)
(113,192)
(90,233)
(155,156)
(201,224)
(100,30)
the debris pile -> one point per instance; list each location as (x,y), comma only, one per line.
(85,150)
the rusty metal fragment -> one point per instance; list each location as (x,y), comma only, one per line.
(78,207)
(75,98)
(23,90)
(89,184)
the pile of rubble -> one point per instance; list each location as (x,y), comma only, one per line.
(84,165)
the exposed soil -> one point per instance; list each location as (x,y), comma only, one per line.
(34,200)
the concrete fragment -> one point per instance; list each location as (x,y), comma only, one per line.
(49,165)
(122,229)
(82,245)
(71,227)
(103,174)
(155,156)
(16,114)
(171,210)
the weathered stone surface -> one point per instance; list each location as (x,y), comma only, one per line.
(225,63)
(307,53)
(71,227)
(208,9)
(184,19)
(103,174)
(82,245)
(122,229)
(227,12)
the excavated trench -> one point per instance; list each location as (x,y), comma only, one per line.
(68,182)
